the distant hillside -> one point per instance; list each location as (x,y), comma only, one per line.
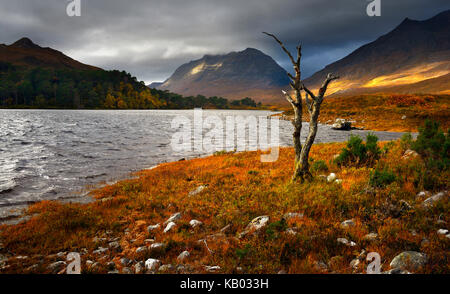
(26,53)
(414,57)
(36,77)
(249,73)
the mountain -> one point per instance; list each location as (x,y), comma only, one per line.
(414,57)
(25,53)
(248,73)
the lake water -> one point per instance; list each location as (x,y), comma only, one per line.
(61,154)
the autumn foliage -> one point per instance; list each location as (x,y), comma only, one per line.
(239,188)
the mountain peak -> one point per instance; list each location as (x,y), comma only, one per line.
(25,43)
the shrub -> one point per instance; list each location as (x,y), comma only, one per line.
(357,153)
(433,146)
(381,178)
(319,165)
(406,141)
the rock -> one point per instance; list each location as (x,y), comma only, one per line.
(152,264)
(195,223)
(169,227)
(424,242)
(396,271)
(183,256)
(157,246)
(370,237)
(149,241)
(331,177)
(409,260)
(442,232)
(422,194)
(212,269)
(197,190)
(98,240)
(152,228)
(111,265)
(405,206)
(100,250)
(292,215)
(32,268)
(410,153)
(139,267)
(320,266)
(174,217)
(430,201)
(166,268)
(114,245)
(291,231)
(61,255)
(113,272)
(403,117)
(338,181)
(282,272)
(125,261)
(347,223)
(447,236)
(255,225)
(56,267)
(141,250)
(354,263)
(341,124)
(346,242)
(127,271)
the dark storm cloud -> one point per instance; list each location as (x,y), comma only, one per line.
(152,38)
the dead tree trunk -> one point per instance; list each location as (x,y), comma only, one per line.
(301,171)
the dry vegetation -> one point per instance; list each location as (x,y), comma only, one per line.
(239,189)
(384,112)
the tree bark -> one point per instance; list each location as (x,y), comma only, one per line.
(301,165)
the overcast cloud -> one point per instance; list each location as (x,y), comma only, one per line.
(150,39)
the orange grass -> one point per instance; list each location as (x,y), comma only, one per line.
(384,112)
(240,188)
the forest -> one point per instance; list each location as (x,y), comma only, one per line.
(94,89)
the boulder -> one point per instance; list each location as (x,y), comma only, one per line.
(341,124)
(442,232)
(347,223)
(255,225)
(139,268)
(197,190)
(370,237)
(409,260)
(141,250)
(56,267)
(331,177)
(173,218)
(152,264)
(169,227)
(195,223)
(212,269)
(292,215)
(152,228)
(430,201)
(410,154)
(183,256)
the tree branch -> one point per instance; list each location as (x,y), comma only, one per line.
(309,92)
(289,98)
(284,49)
(323,89)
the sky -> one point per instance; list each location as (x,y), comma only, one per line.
(151,38)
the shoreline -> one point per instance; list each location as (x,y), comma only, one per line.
(224,193)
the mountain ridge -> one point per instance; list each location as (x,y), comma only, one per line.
(246,73)
(395,58)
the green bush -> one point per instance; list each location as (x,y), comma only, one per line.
(381,178)
(319,165)
(406,141)
(433,146)
(357,153)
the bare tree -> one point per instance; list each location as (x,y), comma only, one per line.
(313,103)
